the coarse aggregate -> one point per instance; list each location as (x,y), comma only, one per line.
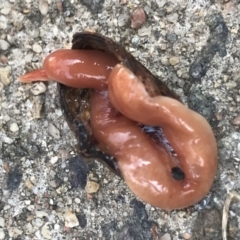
(193,46)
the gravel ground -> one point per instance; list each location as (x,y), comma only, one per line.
(191,45)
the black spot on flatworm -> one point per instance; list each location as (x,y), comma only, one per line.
(177,173)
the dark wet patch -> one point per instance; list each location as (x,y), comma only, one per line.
(2,204)
(58,180)
(137,226)
(208,225)
(202,104)
(21,148)
(35,18)
(82,220)
(215,43)
(78,172)
(21,218)
(94,6)
(68,9)
(120,199)
(17,148)
(157,34)
(14,178)
(139,210)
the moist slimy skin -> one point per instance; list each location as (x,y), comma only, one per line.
(91,66)
(120,104)
(188,133)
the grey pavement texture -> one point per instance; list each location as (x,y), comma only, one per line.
(193,46)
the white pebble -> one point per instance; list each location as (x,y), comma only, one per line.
(43,7)
(30,208)
(144,31)
(14,232)
(38,88)
(36,48)
(38,222)
(4,45)
(173,60)
(3,22)
(5,75)
(92,187)
(14,127)
(53,160)
(2,234)
(71,220)
(45,231)
(29,228)
(2,222)
(77,200)
(5,11)
(53,131)
(166,236)
(7,139)
(27,202)
(1,86)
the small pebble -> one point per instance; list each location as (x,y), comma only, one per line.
(6,118)
(38,222)
(164,60)
(1,86)
(71,220)
(166,236)
(5,75)
(14,232)
(53,131)
(6,10)
(231,85)
(45,231)
(38,88)
(53,160)
(43,7)
(186,236)
(172,17)
(3,22)
(41,214)
(236,120)
(2,234)
(77,200)
(92,187)
(29,184)
(138,18)
(171,37)
(4,45)
(144,31)
(173,60)
(36,48)
(29,228)
(27,202)
(122,20)
(30,208)
(37,110)
(2,222)
(3,59)
(14,127)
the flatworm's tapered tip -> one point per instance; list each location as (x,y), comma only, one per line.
(37,75)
